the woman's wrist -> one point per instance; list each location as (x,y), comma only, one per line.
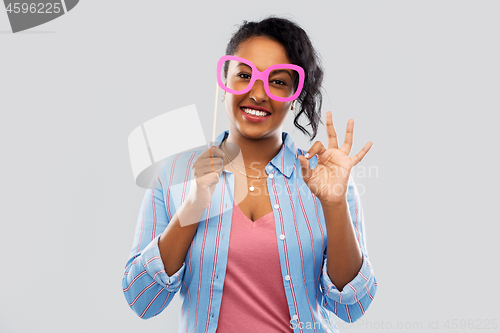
(341,203)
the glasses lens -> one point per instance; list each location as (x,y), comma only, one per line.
(283,82)
(236,75)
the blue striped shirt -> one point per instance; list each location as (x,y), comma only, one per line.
(302,240)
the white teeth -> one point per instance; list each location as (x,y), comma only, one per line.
(255,112)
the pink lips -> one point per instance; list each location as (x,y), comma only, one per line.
(254,119)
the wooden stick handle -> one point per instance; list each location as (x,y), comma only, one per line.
(215,109)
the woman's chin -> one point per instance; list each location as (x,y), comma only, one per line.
(251,132)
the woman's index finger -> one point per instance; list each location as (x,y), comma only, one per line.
(216,152)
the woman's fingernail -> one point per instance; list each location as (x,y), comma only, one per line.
(306,155)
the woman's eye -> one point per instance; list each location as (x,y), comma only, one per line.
(244,76)
(279,82)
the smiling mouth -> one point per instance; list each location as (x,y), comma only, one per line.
(255,113)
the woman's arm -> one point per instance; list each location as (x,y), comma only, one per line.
(177,237)
(174,242)
(146,286)
(344,254)
(353,287)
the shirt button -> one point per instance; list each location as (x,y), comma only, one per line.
(282,236)
(295,317)
(271,175)
(270,167)
(276,206)
(287,277)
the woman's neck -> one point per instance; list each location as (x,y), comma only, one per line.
(256,151)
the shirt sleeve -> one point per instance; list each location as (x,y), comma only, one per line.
(351,303)
(146,286)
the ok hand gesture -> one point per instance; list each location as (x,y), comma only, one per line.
(329,179)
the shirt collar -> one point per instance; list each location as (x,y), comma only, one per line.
(284,160)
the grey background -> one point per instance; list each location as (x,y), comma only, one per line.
(420,78)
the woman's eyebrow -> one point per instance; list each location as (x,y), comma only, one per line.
(281,71)
(273,72)
(243,64)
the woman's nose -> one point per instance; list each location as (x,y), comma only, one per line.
(258,92)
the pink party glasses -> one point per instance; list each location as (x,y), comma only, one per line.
(279,80)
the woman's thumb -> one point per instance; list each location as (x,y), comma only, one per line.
(305,167)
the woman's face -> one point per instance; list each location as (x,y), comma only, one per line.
(262,52)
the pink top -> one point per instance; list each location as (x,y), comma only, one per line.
(253,297)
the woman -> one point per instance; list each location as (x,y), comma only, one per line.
(247,247)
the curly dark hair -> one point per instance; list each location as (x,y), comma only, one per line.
(300,51)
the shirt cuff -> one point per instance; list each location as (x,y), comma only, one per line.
(151,260)
(353,290)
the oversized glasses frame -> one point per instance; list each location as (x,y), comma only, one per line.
(263,76)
